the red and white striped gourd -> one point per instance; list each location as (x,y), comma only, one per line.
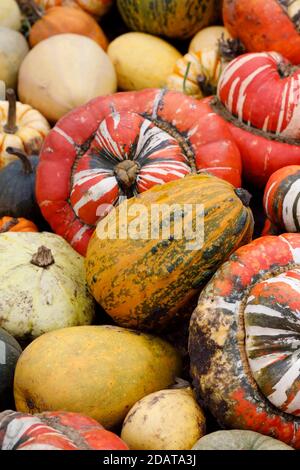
(244,339)
(282,198)
(121,145)
(259,96)
(56,430)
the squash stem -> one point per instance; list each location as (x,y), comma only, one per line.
(27,167)
(10,127)
(10,224)
(43,258)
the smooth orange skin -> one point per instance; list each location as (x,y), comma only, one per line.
(23,225)
(63,20)
(262,26)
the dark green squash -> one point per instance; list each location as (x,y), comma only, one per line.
(17,187)
(10,351)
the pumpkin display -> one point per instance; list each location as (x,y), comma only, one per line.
(141,60)
(55,297)
(56,430)
(164,270)
(164,420)
(94,7)
(271,25)
(173,18)
(90,159)
(13,49)
(13,224)
(244,337)
(237,439)
(21,127)
(59,20)
(10,15)
(17,183)
(53,77)
(108,369)
(258,97)
(281,198)
(10,351)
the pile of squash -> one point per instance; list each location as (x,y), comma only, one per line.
(149,225)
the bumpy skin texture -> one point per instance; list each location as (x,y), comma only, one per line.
(145,283)
(57,430)
(108,369)
(10,351)
(239,440)
(262,26)
(172,18)
(281,198)
(219,363)
(86,145)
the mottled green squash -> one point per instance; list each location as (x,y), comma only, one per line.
(145,282)
(171,18)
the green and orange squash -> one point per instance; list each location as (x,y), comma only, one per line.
(144,281)
(172,18)
(244,340)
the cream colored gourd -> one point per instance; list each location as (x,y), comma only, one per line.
(63,72)
(13,49)
(21,127)
(142,60)
(208,38)
(42,285)
(10,15)
(197,73)
(165,420)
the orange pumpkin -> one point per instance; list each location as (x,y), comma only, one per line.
(61,20)
(94,7)
(13,224)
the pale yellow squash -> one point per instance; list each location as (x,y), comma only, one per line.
(164,420)
(13,49)
(208,38)
(142,60)
(41,289)
(100,371)
(21,127)
(10,15)
(63,72)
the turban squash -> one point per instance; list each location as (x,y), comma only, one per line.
(244,339)
(281,198)
(56,430)
(121,145)
(268,25)
(258,95)
(148,280)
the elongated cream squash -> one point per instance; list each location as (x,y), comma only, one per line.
(144,275)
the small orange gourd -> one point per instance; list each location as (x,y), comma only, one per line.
(16,224)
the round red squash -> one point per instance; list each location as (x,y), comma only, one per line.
(266,25)
(56,430)
(118,146)
(258,95)
(244,339)
(281,198)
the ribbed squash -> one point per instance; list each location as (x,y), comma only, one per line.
(237,439)
(172,18)
(143,283)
